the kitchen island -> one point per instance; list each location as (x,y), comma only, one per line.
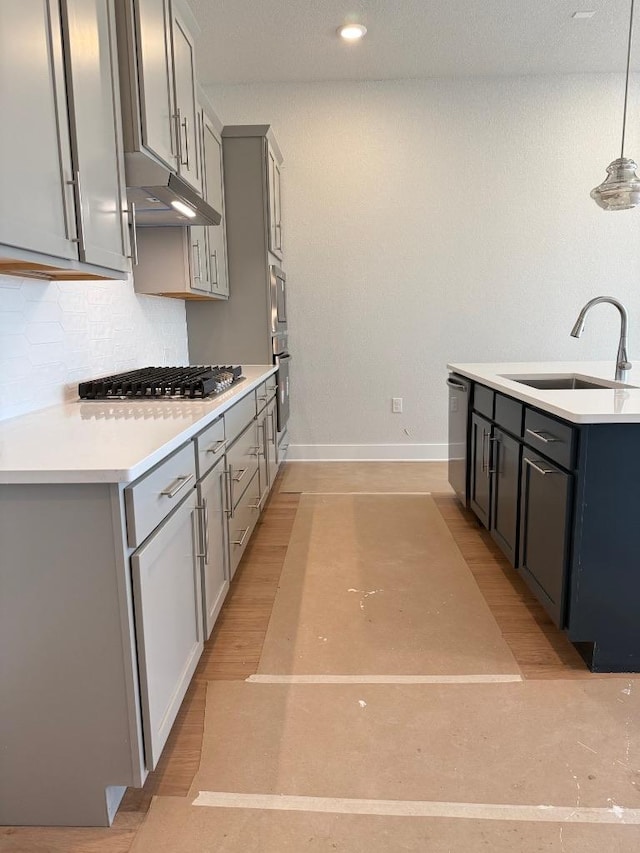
(552,464)
(121,525)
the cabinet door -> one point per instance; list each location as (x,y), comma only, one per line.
(272,442)
(186,110)
(273,203)
(544,532)
(200,277)
(278,209)
(263,460)
(505,472)
(97,134)
(36,202)
(214,193)
(155,75)
(215,562)
(168,616)
(480,497)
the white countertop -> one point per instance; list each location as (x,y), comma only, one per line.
(98,441)
(580,406)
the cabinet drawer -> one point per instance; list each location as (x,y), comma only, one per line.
(153,496)
(508,414)
(552,438)
(243,521)
(265,393)
(239,416)
(242,461)
(210,446)
(483,400)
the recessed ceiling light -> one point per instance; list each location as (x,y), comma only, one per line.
(351,32)
(583,15)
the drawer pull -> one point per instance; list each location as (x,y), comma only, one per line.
(547,437)
(179,484)
(217,447)
(536,467)
(240,542)
(258,505)
(228,497)
(239,474)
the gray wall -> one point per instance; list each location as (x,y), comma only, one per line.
(439,220)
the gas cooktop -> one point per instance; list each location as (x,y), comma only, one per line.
(193,382)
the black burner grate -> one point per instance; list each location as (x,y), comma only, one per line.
(193,382)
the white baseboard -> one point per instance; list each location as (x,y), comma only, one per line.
(368,452)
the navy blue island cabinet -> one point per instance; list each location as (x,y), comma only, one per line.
(562,501)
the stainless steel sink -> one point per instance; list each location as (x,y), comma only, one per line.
(566,382)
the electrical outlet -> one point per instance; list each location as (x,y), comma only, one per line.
(396,405)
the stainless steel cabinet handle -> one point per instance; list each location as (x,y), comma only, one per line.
(196,246)
(185,125)
(178,131)
(536,467)
(204,527)
(179,484)
(214,255)
(77,191)
(205,510)
(239,474)
(457,385)
(547,437)
(229,497)
(217,447)
(492,441)
(484,464)
(258,505)
(240,541)
(134,234)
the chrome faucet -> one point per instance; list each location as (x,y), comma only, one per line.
(622,360)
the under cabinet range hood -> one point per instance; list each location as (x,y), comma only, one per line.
(163,198)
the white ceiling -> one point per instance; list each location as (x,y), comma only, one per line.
(295,40)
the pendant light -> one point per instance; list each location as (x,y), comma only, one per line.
(621,188)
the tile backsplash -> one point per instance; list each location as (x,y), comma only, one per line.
(56,334)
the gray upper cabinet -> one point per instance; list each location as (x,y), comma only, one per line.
(157,67)
(214,193)
(186,110)
(63,213)
(99,176)
(274,195)
(155,75)
(34,131)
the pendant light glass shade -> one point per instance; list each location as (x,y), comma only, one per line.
(621,188)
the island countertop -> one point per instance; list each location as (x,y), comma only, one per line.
(108,441)
(619,404)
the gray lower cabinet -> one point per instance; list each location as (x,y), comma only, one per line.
(545,527)
(169,630)
(271,428)
(215,549)
(505,487)
(61,169)
(242,520)
(480,487)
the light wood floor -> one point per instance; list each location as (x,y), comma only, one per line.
(234,649)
